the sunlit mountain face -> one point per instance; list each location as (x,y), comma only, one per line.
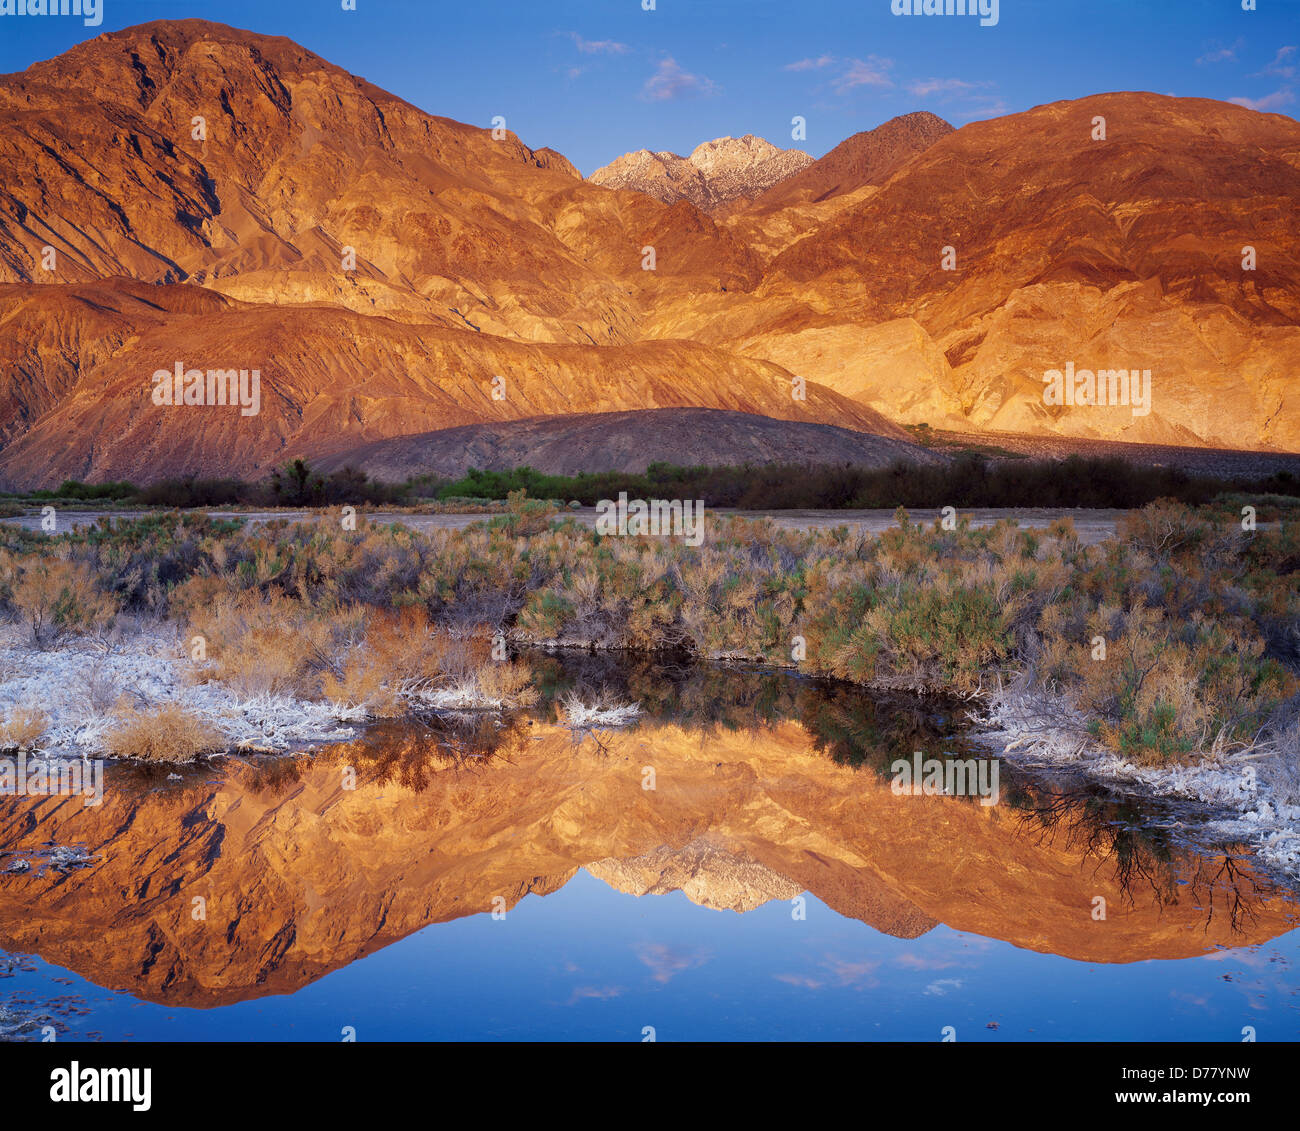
(214,199)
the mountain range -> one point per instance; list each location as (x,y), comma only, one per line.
(185,193)
(717,173)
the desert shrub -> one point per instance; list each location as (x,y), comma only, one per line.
(981,476)
(267,644)
(167,733)
(544,615)
(1166,529)
(390,654)
(56,598)
(495,684)
(524,516)
(1201,621)
(23,727)
(191,492)
(298,484)
(947,634)
(1164,661)
(90,492)
(968,479)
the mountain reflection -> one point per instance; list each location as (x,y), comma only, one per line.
(765,785)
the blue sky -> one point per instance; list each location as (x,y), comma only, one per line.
(596,78)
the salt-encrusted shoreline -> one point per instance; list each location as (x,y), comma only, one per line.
(1251,797)
(78,684)
(1245,796)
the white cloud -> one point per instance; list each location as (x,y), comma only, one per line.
(1279,66)
(870,71)
(983,109)
(671,81)
(1269,102)
(598,46)
(811,64)
(1220,55)
(923,88)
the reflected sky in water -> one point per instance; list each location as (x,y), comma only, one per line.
(590,963)
(370,909)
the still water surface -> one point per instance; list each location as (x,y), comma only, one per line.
(771,886)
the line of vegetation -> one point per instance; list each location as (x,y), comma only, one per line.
(1200,619)
(969,480)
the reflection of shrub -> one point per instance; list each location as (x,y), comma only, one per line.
(169,733)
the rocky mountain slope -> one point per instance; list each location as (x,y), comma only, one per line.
(717,173)
(1118,254)
(187,192)
(332,380)
(867,158)
(378,266)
